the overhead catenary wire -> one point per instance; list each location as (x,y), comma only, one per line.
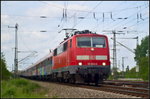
(84,18)
(125,47)
(126,22)
(104,16)
(64,15)
(69,18)
(128,17)
(88,13)
(42,16)
(26,49)
(61,7)
(112,11)
(140,22)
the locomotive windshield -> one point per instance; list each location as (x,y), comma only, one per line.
(84,41)
(98,42)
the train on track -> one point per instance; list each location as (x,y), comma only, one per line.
(82,57)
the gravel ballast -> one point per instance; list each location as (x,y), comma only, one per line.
(64,91)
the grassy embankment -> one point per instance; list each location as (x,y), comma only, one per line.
(21,88)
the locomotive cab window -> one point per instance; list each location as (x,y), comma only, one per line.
(98,42)
(84,41)
(70,43)
(65,46)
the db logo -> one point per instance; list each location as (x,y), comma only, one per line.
(92,57)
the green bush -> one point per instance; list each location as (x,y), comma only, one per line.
(10,92)
(144,68)
(30,88)
(20,88)
(4,73)
(19,82)
(141,57)
(131,73)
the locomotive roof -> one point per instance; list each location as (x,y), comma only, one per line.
(81,34)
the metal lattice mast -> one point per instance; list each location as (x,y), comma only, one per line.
(114,51)
(16,50)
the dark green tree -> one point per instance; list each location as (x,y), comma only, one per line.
(142,50)
(4,73)
(142,58)
(144,68)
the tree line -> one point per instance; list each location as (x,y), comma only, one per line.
(142,61)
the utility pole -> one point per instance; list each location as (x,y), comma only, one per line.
(123,67)
(16,50)
(123,72)
(114,52)
(137,65)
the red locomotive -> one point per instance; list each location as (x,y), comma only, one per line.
(83,57)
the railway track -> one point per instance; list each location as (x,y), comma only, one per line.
(121,87)
(139,92)
(141,84)
(126,90)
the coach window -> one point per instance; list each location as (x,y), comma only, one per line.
(60,49)
(44,63)
(70,43)
(47,62)
(84,41)
(98,42)
(55,52)
(51,61)
(65,46)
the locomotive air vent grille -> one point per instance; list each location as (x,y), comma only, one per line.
(82,57)
(101,57)
(93,57)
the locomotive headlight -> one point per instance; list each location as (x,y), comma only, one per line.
(103,63)
(80,63)
(92,49)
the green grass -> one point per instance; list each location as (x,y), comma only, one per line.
(21,88)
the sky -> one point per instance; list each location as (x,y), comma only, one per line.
(131,17)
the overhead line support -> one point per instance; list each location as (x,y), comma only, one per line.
(16,50)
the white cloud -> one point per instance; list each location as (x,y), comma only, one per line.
(34,35)
(56,11)
(5,19)
(38,35)
(44,10)
(6,37)
(78,7)
(5,48)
